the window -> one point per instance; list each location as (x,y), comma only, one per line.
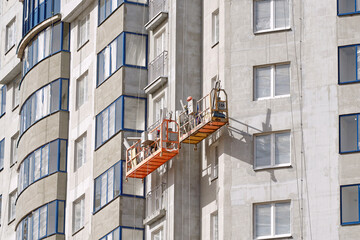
(125,233)
(46,160)
(120,115)
(83,31)
(10,35)
(272,150)
(2,151)
(0,207)
(214,226)
(12,209)
(49,41)
(81,90)
(112,57)
(215,170)
(13,158)
(106,7)
(160,43)
(108,186)
(349,64)
(36,11)
(271,15)
(16,93)
(349,133)
(159,105)
(80,151)
(349,204)
(272,81)
(45,101)
(348,7)
(272,220)
(78,213)
(215,27)
(158,234)
(43,222)
(2,100)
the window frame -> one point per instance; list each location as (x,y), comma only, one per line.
(214,232)
(11,207)
(12,23)
(272,81)
(272,221)
(215,168)
(341,205)
(357,55)
(272,146)
(16,94)
(357,133)
(272,19)
(82,138)
(121,192)
(14,139)
(2,154)
(0,209)
(215,28)
(120,100)
(123,57)
(86,21)
(347,13)
(80,200)
(112,10)
(120,228)
(84,78)
(3,100)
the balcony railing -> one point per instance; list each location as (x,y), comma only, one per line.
(157,6)
(155,200)
(158,67)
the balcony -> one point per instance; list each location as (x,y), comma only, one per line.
(157,73)
(158,12)
(155,208)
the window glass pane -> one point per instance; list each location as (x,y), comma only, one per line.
(119,52)
(133,234)
(112,120)
(263,220)
(350,204)
(61,216)
(46,100)
(107,8)
(41,51)
(101,10)
(101,62)
(357,5)
(54,156)
(113,49)
(35,232)
(282,218)
(77,215)
(103,189)
(347,64)
(2,144)
(135,50)
(116,235)
(106,62)
(282,148)
(51,218)
(44,160)
(81,90)
(282,80)
(105,125)
(134,113)
(346,6)
(55,96)
(97,193)
(263,151)
(37,156)
(31,168)
(56,38)
(262,15)
(63,149)
(118,113)
(117,178)
(282,14)
(110,185)
(43,211)
(263,82)
(12,209)
(64,95)
(348,133)
(47,41)
(65,36)
(99,129)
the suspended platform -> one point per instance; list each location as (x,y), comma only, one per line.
(159,146)
(204,117)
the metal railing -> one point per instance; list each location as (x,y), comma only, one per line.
(158,67)
(155,200)
(157,6)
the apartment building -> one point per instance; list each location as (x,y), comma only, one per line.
(84,83)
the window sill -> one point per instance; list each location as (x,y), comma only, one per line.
(11,221)
(275,237)
(348,14)
(272,167)
(7,51)
(213,179)
(82,45)
(272,30)
(74,233)
(270,98)
(13,164)
(14,108)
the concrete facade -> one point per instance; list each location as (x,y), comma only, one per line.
(180,199)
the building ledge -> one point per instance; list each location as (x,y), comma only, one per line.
(154,217)
(10,71)
(33,32)
(156,21)
(155,85)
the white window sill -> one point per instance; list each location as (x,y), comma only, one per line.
(80,46)
(273,30)
(275,97)
(275,237)
(272,167)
